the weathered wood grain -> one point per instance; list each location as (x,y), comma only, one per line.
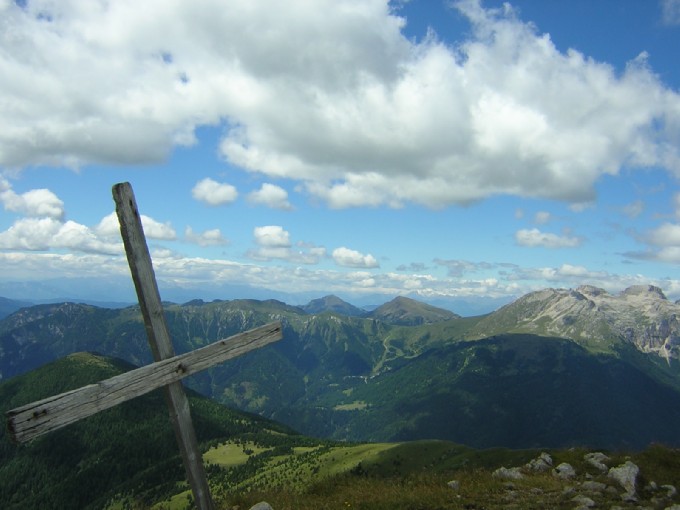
(33,420)
(139,260)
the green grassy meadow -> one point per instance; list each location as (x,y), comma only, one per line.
(416,476)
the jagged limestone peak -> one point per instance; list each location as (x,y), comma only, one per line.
(591,290)
(640,315)
(641,290)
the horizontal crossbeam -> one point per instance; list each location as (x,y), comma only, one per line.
(32,420)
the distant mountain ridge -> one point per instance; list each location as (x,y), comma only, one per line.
(640,315)
(405,311)
(323,378)
(9,306)
(333,304)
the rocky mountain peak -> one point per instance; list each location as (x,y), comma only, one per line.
(409,312)
(640,315)
(644,290)
(591,290)
(332,303)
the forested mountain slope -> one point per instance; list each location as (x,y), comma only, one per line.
(330,374)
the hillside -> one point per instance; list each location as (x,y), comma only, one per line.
(126,458)
(516,391)
(327,376)
(130,447)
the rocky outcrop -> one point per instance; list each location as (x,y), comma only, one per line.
(594,485)
(626,476)
(508,473)
(564,471)
(640,315)
(597,460)
(540,464)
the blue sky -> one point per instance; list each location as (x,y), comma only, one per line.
(465,150)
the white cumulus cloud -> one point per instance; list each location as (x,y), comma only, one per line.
(214,193)
(273,242)
(351,258)
(501,112)
(43,234)
(156,230)
(211,237)
(667,234)
(272,196)
(34,203)
(663,242)
(273,236)
(110,227)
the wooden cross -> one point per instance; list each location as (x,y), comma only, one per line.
(32,420)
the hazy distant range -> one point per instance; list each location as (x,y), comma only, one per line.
(120,293)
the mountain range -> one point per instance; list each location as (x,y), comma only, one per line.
(554,368)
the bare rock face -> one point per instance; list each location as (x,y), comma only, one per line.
(640,315)
(514,473)
(540,464)
(641,290)
(626,475)
(597,460)
(564,471)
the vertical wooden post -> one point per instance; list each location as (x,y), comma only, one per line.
(159,339)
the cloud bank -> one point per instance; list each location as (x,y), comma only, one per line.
(330,94)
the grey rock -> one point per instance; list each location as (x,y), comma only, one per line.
(593,486)
(508,474)
(454,484)
(597,460)
(583,501)
(564,471)
(626,475)
(541,464)
(262,505)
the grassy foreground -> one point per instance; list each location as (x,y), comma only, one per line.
(417,476)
